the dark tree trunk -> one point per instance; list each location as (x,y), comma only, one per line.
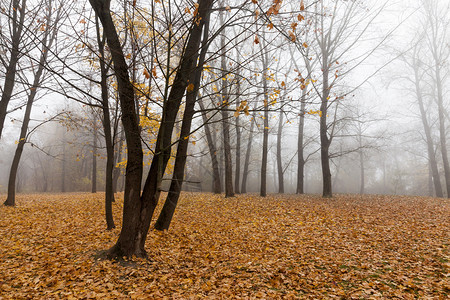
(94,159)
(247,153)
(237,172)
(265,149)
(229,192)
(168,210)
(17,23)
(279,157)
(131,240)
(63,169)
(300,155)
(217,186)
(324,140)
(109,192)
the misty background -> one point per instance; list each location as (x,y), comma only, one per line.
(379,144)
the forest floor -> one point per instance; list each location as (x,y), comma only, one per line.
(293,247)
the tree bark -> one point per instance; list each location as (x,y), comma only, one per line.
(18,17)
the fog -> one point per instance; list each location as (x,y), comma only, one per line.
(387,57)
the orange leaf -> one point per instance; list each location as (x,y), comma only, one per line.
(302,5)
(256,39)
(190,87)
(146,74)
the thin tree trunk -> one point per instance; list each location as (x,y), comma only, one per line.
(247,153)
(324,140)
(109,192)
(442,130)
(237,172)
(94,159)
(217,187)
(229,192)
(361,175)
(279,157)
(17,21)
(265,149)
(300,154)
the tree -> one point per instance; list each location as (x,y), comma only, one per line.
(437,44)
(49,36)
(138,209)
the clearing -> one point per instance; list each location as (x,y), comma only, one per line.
(281,246)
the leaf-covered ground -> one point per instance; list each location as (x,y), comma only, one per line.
(247,247)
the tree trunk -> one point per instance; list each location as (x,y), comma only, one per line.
(168,210)
(10,72)
(109,192)
(217,186)
(265,149)
(300,154)
(279,157)
(429,139)
(94,159)
(237,171)
(324,140)
(248,152)
(361,175)
(442,130)
(131,240)
(225,104)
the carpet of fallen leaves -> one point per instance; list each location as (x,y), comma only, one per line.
(348,247)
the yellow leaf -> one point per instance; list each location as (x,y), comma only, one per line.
(305,45)
(190,87)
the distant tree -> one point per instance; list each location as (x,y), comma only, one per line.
(50,30)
